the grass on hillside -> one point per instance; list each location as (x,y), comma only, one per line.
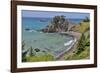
(82,27)
(81,53)
(39,58)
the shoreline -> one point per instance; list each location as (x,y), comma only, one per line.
(69,48)
(72,48)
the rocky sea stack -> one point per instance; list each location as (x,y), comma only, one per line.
(58,24)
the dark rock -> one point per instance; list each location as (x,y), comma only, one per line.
(37,50)
(27,29)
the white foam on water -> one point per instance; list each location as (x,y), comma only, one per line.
(68,43)
(71,43)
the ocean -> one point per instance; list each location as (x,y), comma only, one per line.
(52,42)
(39,23)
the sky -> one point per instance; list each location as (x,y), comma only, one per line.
(51,14)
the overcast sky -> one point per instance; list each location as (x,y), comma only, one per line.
(50,14)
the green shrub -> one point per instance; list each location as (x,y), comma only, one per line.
(81,44)
(39,58)
(86,19)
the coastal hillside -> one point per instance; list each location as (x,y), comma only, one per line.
(82,50)
(82,27)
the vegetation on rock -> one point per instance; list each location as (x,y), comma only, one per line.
(58,24)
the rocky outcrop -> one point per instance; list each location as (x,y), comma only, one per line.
(58,24)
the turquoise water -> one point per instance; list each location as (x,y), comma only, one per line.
(35,23)
(51,42)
